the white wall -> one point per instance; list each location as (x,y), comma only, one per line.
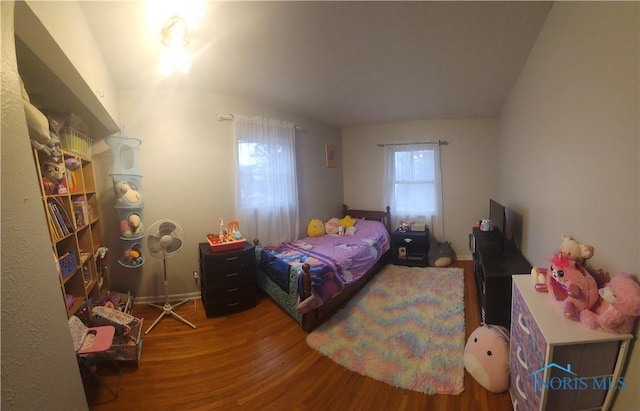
(39,369)
(469,169)
(569,142)
(186,159)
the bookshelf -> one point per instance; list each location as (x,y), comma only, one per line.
(71,209)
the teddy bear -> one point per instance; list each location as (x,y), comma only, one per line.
(126,193)
(486,357)
(575,251)
(580,253)
(568,282)
(132,226)
(619,308)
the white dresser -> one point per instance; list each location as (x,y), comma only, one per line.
(560,364)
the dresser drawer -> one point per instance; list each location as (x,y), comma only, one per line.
(231,293)
(418,239)
(229,262)
(216,308)
(237,276)
(527,353)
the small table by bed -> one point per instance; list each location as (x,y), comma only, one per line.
(410,247)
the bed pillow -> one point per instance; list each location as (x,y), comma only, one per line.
(332,226)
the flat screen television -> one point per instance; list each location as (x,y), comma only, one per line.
(497,215)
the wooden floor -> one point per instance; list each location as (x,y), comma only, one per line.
(259,360)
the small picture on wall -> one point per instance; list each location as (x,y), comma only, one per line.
(330,156)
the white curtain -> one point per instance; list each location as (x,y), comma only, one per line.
(412,183)
(266,182)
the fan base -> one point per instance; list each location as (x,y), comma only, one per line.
(167,309)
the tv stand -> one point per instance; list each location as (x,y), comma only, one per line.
(495,260)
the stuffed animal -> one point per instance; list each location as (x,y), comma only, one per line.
(569,283)
(72,163)
(133,255)
(575,251)
(440,254)
(347,222)
(315,228)
(127,194)
(486,357)
(53,171)
(619,308)
(578,252)
(132,226)
(332,226)
(539,276)
(350,230)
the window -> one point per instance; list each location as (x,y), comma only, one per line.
(266,182)
(412,182)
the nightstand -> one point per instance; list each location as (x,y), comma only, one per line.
(228,280)
(410,247)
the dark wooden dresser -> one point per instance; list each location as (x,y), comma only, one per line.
(228,280)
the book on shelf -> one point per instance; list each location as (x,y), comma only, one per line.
(57,219)
(81,211)
(61,217)
(56,232)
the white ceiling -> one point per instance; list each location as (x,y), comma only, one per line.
(343,63)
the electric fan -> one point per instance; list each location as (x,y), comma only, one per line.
(163,239)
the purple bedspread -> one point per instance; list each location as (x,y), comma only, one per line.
(336,261)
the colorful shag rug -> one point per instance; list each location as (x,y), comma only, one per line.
(405,327)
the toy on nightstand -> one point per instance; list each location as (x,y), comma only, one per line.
(619,308)
(486,357)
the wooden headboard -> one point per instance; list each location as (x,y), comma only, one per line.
(383,216)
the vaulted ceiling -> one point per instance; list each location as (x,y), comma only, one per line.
(343,63)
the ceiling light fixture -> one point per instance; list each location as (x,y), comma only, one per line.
(175,37)
(175,32)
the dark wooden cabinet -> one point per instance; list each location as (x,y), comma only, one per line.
(410,247)
(494,262)
(228,280)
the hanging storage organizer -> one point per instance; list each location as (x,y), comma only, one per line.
(127,187)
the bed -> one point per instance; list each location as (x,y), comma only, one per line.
(311,278)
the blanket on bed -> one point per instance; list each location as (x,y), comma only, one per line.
(335,261)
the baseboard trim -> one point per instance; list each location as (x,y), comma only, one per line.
(465,257)
(172,298)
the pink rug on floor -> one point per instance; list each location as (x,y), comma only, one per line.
(405,327)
